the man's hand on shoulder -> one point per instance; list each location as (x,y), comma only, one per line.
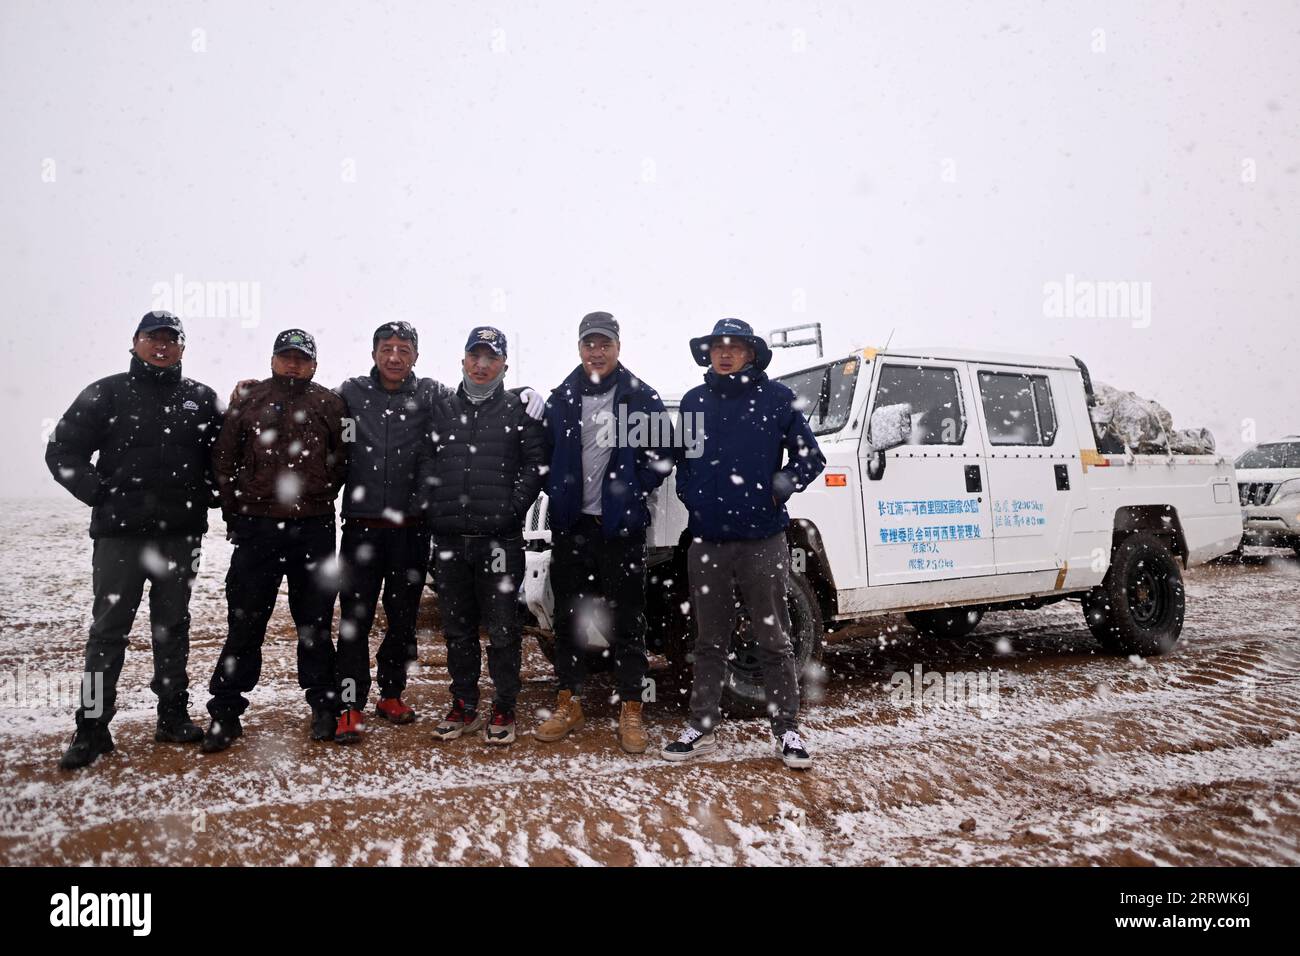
(240,391)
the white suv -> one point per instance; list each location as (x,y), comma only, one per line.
(1268,483)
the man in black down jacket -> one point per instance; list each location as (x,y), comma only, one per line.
(483,475)
(150,489)
(385,536)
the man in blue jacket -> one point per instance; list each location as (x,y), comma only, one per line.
(735,493)
(609,445)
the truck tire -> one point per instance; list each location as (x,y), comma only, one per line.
(1139,607)
(742,693)
(946,622)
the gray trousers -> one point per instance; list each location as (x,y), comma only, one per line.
(757,572)
(121,568)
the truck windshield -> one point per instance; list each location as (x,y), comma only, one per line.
(1277,455)
(824,394)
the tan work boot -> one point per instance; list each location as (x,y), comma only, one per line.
(567,717)
(631,735)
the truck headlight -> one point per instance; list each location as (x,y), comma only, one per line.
(1289,489)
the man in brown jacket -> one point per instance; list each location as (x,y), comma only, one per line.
(279,464)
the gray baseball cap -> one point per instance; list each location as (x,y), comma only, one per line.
(598,323)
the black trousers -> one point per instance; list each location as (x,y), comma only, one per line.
(266,551)
(586,567)
(394,561)
(120,568)
(478,580)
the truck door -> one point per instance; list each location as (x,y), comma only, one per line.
(1034,473)
(927,517)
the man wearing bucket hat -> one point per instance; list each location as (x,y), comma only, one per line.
(280,462)
(600,477)
(757,451)
(150,491)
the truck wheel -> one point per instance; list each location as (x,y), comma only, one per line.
(946,622)
(1139,607)
(742,693)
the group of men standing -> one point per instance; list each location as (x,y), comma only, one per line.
(433,478)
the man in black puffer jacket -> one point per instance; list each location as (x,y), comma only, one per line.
(482,476)
(150,491)
(385,536)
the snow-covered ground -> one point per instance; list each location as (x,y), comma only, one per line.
(1192,758)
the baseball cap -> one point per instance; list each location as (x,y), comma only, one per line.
(598,323)
(291,339)
(160,319)
(487,335)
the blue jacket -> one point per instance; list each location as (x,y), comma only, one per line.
(743,425)
(636,468)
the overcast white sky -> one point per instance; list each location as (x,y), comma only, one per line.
(921,170)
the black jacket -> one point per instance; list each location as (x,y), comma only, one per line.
(390,431)
(154,430)
(482,469)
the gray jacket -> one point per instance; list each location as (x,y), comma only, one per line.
(389,431)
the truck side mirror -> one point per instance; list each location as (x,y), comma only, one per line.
(891,426)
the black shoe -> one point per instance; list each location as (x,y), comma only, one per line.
(221,734)
(91,740)
(690,744)
(790,748)
(323,724)
(174,724)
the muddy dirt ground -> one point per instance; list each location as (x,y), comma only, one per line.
(1081,758)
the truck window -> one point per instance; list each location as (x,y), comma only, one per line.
(1018,408)
(935,396)
(1275,455)
(824,394)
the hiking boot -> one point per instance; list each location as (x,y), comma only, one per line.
(566,717)
(221,734)
(350,725)
(501,728)
(790,748)
(91,740)
(392,708)
(689,744)
(174,724)
(323,722)
(631,735)
(459,720)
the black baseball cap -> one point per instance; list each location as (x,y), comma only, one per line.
(487,335)
(291,339)
(160,319)
(400,330)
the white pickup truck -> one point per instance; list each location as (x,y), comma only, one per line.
(955,481)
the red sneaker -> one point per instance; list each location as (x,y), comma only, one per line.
(351,724)
(392,708)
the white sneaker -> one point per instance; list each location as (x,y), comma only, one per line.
(790,748)
(690,743)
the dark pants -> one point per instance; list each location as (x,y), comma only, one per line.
(120,568)
(266,551)
(394,560)
(478,580)
(757,571)
(584,568)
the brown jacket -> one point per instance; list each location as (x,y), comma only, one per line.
(281,452)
